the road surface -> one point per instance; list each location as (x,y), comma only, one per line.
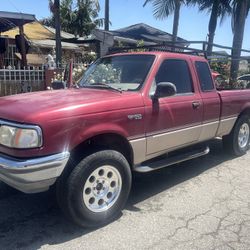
(200,204)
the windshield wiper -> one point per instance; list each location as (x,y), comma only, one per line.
(101,85)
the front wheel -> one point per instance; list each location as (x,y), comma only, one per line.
(237,142)
(97,189)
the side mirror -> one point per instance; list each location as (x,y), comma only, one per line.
(164,89)
(58,85)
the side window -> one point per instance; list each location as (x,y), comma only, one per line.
(204,74)
(177,72)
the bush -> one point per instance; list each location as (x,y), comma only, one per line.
(222,68)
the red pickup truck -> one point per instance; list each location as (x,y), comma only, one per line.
(130,112)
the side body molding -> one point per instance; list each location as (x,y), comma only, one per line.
(162,143)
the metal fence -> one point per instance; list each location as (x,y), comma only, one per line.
(15,81)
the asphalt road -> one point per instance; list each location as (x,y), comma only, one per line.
(200,204)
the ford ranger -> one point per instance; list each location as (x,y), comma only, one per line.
(129,112)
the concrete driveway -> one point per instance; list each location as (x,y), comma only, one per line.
(200,204)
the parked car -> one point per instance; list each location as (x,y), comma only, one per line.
(132,112)
(244,80)
(244,77)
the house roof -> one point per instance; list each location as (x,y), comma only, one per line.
(131,34)
(9,20)
(222,52)
(142,31)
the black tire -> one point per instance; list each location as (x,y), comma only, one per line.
(231,142)
(71,189)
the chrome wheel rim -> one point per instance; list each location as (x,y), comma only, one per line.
(102,188)
(243,136)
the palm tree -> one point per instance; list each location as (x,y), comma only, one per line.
(240,13)
(218,9)
(163,8)
(55,9)
(106,15)
(79,20)
(86,17)
(66,14)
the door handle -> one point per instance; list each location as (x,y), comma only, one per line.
(196,105)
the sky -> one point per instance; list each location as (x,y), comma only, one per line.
(193,24)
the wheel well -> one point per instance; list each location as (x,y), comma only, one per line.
(245,112)
(104,141)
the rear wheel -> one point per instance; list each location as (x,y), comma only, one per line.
(96,190)
(237,142)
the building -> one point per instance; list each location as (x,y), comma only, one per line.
(39,41)
(128,36)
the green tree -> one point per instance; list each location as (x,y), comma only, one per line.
(163,8)
(67,14)
(86,17)
(239,15)
(218,9)
(80,19)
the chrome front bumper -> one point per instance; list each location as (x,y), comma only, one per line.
(32,175)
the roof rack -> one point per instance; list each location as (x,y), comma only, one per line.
(177,47)
(160,47)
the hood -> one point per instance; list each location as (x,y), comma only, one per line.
(59,104)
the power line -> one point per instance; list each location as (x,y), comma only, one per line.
(15,6)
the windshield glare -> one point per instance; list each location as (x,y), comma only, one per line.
(126,72)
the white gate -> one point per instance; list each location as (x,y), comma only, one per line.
(15,81)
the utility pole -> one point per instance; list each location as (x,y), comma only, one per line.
(58,32)
(106,27)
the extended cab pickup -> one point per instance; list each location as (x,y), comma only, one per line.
(130,112)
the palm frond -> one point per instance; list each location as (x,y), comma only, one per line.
(162,8)
(236,6)
(51,6)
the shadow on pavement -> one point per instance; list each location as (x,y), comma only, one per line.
(34,220)
(149,184)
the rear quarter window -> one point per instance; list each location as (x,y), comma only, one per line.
(205,77)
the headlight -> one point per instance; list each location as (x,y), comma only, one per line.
(20,136)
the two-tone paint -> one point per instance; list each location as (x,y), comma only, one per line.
(69,117)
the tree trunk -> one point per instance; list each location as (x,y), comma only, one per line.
(176,21)
(106,15)
(239,26)
(212,27)
(58,32)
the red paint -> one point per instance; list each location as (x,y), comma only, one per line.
(68,117)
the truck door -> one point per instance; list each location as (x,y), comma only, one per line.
(210,99)
(174,122)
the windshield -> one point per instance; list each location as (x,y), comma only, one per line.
(126,72)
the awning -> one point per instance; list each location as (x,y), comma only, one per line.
(52,43)
(33,59)
(9,20)
(33,31)
(36,31)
